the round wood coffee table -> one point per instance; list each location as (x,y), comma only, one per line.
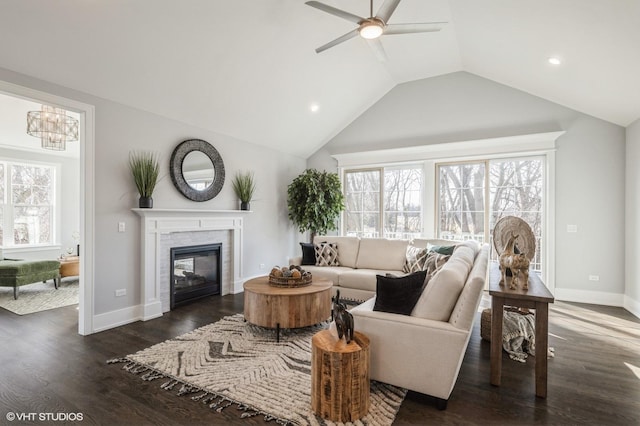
(277,307)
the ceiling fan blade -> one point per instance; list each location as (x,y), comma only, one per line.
(387,9)
(424,27)
(336,12)
(347,36)
(378,50)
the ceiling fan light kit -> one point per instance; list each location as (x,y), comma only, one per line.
(373,27)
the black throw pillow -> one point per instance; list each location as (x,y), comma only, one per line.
(398,295)
(308,254)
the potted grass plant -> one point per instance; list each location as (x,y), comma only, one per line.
(244,186)
(144,167)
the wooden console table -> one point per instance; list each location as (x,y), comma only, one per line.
(537,297)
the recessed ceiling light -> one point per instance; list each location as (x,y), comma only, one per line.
(554,61)
(314,107)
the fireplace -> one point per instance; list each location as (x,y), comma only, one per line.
(196,272)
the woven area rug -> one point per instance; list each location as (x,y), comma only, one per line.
(40,297)
(232,362)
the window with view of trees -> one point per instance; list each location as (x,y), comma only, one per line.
(384,202)
(514,187)
(27,194)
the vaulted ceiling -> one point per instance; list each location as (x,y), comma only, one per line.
(248,69)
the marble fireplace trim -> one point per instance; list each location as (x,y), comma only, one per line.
(160,225)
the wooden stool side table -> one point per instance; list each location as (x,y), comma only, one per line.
(339,376)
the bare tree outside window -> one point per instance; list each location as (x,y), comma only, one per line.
(516,188)
(32,187)
(402,202)
(385,202)
(362,203)
(462,206)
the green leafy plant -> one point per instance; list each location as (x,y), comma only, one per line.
(144,167)
(244,186)
(315,201)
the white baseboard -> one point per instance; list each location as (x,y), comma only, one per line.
(632,306)
(589,296)
(238,286)
(102,322)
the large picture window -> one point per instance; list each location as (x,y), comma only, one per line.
(514,187)
(384,202)
(27,197)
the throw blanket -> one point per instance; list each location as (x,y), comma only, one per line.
(518,335)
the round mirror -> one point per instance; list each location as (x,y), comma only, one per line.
(197,170)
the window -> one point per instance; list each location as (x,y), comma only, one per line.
(515,188)
(384,202)
(27,197)
(462,201)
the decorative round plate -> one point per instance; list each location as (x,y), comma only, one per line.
(509,225)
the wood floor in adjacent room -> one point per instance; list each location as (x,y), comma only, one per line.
(46,367)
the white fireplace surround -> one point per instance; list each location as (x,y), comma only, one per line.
(159,222)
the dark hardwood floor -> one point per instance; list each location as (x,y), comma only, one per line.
(46,367)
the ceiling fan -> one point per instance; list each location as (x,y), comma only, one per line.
(373,27)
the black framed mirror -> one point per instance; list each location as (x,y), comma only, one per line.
(197,170)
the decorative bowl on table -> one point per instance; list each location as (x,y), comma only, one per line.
(293,276)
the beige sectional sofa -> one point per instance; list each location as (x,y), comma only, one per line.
(423,351)
(361,259)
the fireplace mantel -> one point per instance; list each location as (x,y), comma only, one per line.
(156,222)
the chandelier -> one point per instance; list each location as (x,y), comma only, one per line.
(53,126)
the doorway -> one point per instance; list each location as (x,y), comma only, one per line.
(85,237)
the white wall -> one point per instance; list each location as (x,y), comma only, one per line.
(632,252)
(269,236)
(68,202)
(590,163)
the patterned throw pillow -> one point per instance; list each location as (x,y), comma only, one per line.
(434,262)
(415,259)
(326,254)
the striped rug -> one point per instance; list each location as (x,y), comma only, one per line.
(233,363)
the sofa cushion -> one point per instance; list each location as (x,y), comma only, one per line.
(326,254)
(308,254)
(347,248)
(331,273)
(441,293)
(362,279)
(426,242)
(398,295)
(382,253)
(467,251)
